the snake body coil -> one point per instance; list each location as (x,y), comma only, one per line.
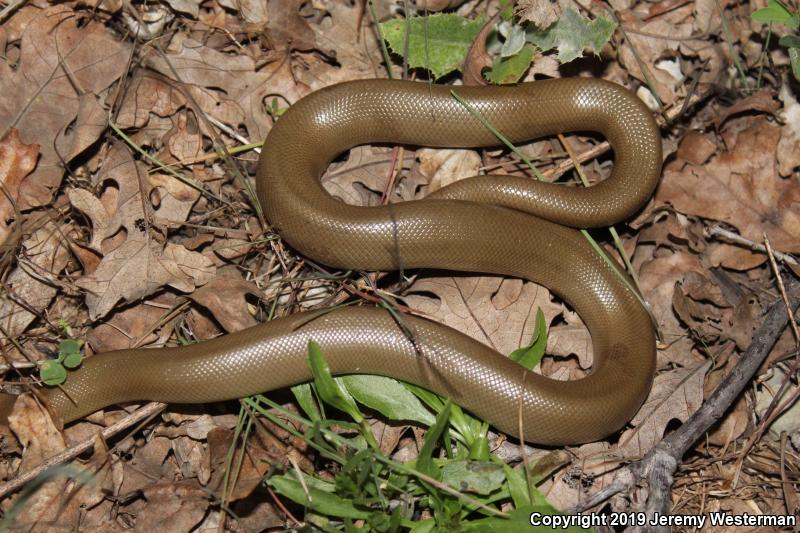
(492,224)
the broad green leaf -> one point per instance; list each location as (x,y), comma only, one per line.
(320,501)
(530,356)
(776,13)
(52,372)
(330,390)
(438,42)
(572,33)
(305,397)
(389,397)
(511,70)
(477,477)
(426,526)
(69,346)
(72,360)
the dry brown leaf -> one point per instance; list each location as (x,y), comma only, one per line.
(135,326)
(44,256)
(740,187)
(253,11)
(140,267)
(354,48)
(17,160)
(761,101)
(657,278)
(250,475)
(443,167)
(362,178)
(498,312)
(676,394)
(477,58)
(40,439)
(696,148)
(542,13)
(236,75)
(224,297)
(172,507)
(287,29)
(42,96)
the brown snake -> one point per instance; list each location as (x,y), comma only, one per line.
(492,224)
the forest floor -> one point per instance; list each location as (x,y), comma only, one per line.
(129,137)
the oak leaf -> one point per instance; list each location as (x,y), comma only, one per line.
(17,160)
(52,92)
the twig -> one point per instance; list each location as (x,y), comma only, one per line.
(717,231)
(657,467)
(9,8)
(143,413)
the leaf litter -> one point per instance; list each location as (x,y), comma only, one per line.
(146,238)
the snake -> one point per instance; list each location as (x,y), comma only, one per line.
(503,225)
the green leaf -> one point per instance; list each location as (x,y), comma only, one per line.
(519,520)
(52,372)
(305,397)
(72,360)
(511,70)
(426,526)
(479,450)
(320,501)
(530,356)
(389,397)
(776,13)
(425,462)
(572,33)
(438,42)
(330,390)
(69,346)
(517,486)
(477,477)
(794,58)
(790,41)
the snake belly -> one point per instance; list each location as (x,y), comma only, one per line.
(490,224)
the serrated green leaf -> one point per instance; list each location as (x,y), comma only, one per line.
(72,360)
(477,477)
(437,42)
(389,397)
(511,70)
(320,501)
(776,13)
(52,373)
(571,33)
(530,356)
(330,391)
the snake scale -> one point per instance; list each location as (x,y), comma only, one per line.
(491,224)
